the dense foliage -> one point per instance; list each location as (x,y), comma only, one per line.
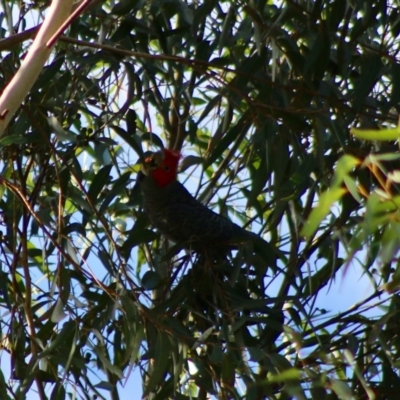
(260,96)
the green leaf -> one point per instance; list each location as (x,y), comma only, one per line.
(105,385)
(3,388)
(371,65)
(291,374)
(210,106)
(395,92)
(58,392)
(325,203)
(344,166)
(130,138)
(99,181)
(321,277)
(125,7)
(226,35)
(61,134)
(151,280)
(138,235)
(107,364)
(14,139)
(318,58)
(161,357)
(390,242)
(342,389)
(64,336)
(58,313)
(376,134)
(228,370)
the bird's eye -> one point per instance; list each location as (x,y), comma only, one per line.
(166,168)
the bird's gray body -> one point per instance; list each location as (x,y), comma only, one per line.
(183,219)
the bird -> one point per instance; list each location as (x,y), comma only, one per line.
(182,218)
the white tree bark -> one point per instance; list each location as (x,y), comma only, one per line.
(20,85)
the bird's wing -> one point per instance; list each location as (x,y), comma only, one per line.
(198,223)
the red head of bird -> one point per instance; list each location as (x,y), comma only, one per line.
(162,166)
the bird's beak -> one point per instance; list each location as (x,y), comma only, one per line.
(152,162)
